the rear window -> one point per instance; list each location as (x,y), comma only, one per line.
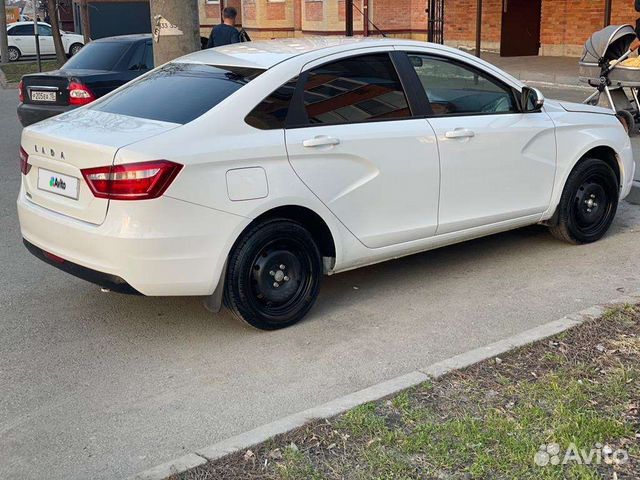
(98,56)
(177,92)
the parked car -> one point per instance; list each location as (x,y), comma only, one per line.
(101,67)
(244,174)
(22,40)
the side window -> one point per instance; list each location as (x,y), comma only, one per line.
(45,30)
(454,89)
(148,57)
(355,89)
(137,57)
(271,113)
(22,30)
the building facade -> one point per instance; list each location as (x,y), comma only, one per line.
(511,27)
(554,27)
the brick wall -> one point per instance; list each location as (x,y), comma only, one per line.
(565,24)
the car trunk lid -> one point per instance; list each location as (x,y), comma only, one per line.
(52,88)
(59,148)
(46,89)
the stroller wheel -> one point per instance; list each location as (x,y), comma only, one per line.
(628,121)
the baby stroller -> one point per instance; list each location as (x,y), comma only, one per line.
(602,66)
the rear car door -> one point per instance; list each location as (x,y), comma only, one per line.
(22,36)
(498,164)
(352,140)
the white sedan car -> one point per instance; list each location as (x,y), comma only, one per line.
(22,40)
(244,173)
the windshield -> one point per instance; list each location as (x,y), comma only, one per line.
(97,56)
(177,92)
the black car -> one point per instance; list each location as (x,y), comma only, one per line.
(99,68)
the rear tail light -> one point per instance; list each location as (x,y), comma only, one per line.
(21,91)
(80,94)
(133,181)
(25,166)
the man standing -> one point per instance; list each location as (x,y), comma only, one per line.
(226,32)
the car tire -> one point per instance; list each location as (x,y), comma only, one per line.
(588,204)
(74,49)
(628,121)
(273,274)
(14,54)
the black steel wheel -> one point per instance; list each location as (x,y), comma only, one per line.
(273,275)
(588,204)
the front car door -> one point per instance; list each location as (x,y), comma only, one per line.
(497,163)
(352,140)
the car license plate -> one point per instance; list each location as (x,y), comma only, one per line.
(38,96)
(58,183)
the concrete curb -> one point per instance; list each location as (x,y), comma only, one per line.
(376,392)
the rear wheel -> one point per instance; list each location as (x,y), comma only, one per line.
(14,54)
(75,48)
(588,203)
(273,275)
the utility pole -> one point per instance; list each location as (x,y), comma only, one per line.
(37,34)
(348,16)
(84,21)
(4,44)
(607,13)
(180,21)
(478,27)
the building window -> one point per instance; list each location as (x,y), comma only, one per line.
(212,2)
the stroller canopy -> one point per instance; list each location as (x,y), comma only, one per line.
(608,44)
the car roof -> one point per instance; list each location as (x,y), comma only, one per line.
(125,38)
(267,53)
(9,25)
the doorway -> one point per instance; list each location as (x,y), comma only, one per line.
(520,34)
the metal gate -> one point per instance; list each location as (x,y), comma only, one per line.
(435,10)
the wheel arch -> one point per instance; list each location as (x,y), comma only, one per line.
(606,154)
(602,152)
(311,220)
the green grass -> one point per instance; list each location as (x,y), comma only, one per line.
(580,388)
(15,70)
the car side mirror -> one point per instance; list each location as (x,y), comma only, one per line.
(531,99)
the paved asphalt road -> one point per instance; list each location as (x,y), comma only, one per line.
(101,386)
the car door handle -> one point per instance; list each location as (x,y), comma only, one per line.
(320,141)
(460,133)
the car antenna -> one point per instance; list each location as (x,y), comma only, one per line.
(366,17)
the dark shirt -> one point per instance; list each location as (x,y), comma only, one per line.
(223,34)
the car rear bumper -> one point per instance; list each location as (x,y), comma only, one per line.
(105,280)
(158,247)
(30,114)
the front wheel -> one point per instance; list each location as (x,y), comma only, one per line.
(273,275)
(14,54)
(588,203)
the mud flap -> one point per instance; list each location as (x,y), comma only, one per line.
(213,302)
